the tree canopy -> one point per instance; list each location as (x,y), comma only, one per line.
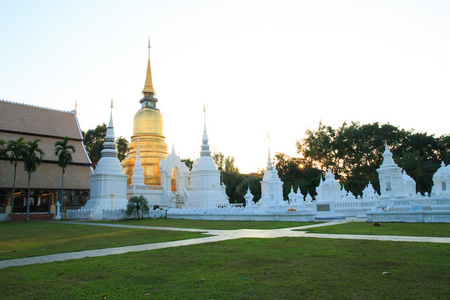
(353,152)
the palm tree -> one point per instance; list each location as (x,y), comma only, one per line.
(32,158)
(137,206)
(16,150)
(64,153)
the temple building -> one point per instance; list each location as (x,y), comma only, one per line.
(148,130)
(48,125)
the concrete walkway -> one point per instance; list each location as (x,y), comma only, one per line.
(214,236)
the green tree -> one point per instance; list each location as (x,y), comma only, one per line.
(444,148)
(94,140)
(236,184)
(295,172)
(353,152)
(253,182)
(138,206)
(32,158)
(15,150)
(64,153)
(122,148)
(188,162)
(419,169)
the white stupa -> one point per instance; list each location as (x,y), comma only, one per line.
(273,197)
(267,173)
(108,182)
(441,182)
(206,191)
(328,190)
(393,183)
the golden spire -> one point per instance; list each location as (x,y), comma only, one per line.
(148,88)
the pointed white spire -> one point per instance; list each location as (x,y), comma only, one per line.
(204,118)
(269,158)
(138,172)
(205,146)
(388,161)
(109,146)
(111,125)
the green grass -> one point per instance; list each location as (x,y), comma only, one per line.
(405,229)
(201,224)
(25,239)
(284,268)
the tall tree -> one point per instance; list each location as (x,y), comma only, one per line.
(295,172)
(64,153)
(32,158)
(93,141)
(235,182)
(16,149)
(419,169)
(122,148)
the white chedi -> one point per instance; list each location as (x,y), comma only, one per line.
(329,189)
(108,184)
(369,193)
(441,182)
(274,193)
(206,191)
(393,182)
(248,199)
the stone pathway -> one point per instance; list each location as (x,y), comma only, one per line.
(214,236)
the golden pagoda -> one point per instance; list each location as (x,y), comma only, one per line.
(148,130)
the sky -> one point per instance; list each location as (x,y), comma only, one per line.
(259,67)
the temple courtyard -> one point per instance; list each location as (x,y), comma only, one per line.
(191,259)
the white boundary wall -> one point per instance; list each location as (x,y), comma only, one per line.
(433,216)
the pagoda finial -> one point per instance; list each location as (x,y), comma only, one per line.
(269,158)
(148,87)
(112,106)
(204,118)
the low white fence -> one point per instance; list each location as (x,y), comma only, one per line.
(421,216)
(111,214)
(80,214)
(237,214)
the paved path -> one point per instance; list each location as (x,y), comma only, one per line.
(214,236)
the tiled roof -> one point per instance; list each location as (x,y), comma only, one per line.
(37,120)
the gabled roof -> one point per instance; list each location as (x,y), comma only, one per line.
(40,121)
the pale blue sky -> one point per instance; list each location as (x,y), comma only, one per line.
(258,66)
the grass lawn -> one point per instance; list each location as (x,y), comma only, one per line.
(201,224)
(34,238)
(407,229)
(283,268)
